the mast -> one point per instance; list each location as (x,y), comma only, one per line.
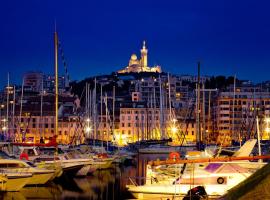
(7,128)
(107,130)
(198,108)
(154,117)
(95,112)
(56,81)
(259,137)
(113,110)
(21,109)
(209,116)
(101,117)
(203,114)
(13,112)
(161,110)
(41,112)
(170,103)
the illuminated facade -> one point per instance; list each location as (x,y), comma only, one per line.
(136,65)
(236,116)
(29,123)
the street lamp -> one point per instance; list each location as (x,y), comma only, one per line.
(267,129)
(174,129)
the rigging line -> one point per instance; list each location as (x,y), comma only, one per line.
(67,77)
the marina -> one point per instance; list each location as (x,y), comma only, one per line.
(114,182)
(152,100)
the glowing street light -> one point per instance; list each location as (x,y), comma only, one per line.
(88,129)
(174,129)
(267,120)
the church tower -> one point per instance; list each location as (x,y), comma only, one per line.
(144,56)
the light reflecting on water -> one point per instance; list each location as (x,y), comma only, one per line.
(104,184)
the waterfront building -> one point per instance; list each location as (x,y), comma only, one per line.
(237,112)
(32,119)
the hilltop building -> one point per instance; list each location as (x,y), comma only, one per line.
(136,65)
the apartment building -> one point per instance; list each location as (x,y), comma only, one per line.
(236,115)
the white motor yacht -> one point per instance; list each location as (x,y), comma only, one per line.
(39,175)
(216,177)
(13,181)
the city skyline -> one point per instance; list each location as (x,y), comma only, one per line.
(99,37)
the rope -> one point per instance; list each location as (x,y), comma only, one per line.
(67,78)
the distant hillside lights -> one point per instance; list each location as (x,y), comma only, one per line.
(136,65)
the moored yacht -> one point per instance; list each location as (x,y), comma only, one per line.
(39,175)
(13,181)
(217,177)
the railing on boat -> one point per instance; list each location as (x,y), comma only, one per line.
(206,160)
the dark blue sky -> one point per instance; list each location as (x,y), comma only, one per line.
(228,36)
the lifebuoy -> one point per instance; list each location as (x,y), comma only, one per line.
(102,155)
(24,156)
(220,180)
(174,156)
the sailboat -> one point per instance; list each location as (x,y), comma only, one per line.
(162,147)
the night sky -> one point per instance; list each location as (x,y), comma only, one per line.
(228,36)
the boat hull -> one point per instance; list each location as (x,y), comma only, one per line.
(15,183)
(40,178)
(83,171)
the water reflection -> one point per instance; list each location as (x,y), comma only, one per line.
(101,185)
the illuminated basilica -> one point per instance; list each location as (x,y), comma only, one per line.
(140,65)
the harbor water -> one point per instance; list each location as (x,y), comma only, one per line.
(109,184)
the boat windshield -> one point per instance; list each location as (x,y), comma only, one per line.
(31,164)
(4,155)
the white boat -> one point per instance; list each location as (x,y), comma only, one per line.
(39,175)
(13,181)
(217,177)
(99,160)
(70,164)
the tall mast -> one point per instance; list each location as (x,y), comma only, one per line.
(209,117)
(198,135)
(154,117)
(56,81)
(170,103)
(113,125)
(41,111)
(161,110)
(21,109)
(7,128)
(13,112)
(101,117)
(106,111)
(203,114)
(95,112)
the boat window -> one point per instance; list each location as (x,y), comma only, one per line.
(3,155)
(15,165)
(31,152)
(31,164)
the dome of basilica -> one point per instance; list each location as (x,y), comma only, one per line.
(133,57)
